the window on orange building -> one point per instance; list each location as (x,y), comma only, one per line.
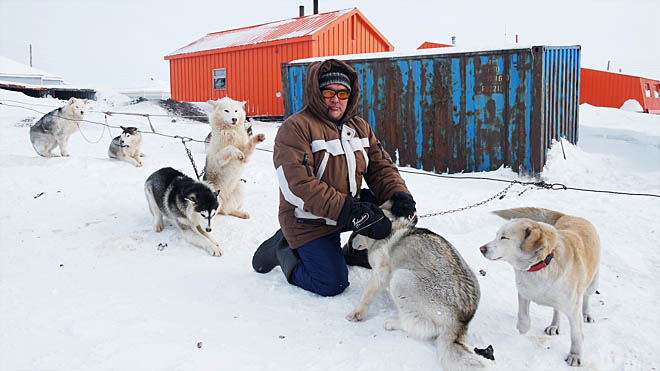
(657,91)
(648,91)
(219,79)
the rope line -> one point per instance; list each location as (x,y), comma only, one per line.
(538,184)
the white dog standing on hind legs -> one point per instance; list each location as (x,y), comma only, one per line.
(435,291)
(555,258)
(228,151)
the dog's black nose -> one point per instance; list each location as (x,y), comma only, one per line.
(208,229)
(483,249)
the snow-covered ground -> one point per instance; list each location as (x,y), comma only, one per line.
(84,284)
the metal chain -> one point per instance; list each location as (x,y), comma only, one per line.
(499,194)
(190,156)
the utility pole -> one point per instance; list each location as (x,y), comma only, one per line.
(608,65)
(30,55)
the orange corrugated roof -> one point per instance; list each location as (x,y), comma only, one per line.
(279,30)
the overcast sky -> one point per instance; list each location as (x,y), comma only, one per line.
(121,43)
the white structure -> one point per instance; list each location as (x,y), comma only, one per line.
(151,89)
(11,71)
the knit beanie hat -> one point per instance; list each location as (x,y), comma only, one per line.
(334,77)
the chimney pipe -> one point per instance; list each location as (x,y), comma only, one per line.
(301,11)
(316,6)
(453,40)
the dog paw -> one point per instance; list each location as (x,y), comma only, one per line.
(357,316)
(573,360)
(588,318)
(240,214)
(158,227)
(66,155)
(259,138)
(552,330)
(392,324)
(523,327)
(138,164)
(214,251)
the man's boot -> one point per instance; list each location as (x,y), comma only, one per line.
(273,252)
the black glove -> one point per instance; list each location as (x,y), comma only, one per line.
(365,218)
(403,205)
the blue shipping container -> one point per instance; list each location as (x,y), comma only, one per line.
(449,110)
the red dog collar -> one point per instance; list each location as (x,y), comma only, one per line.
(543,263)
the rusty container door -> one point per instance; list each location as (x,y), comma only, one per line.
(469,112)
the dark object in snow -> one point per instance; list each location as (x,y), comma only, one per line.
(180,109)
(482,272)
(199,345)
(26,122)
(138,100)
(61,265)
(161,246)
(282,336)
(597,292)
(488,352)
(39,195)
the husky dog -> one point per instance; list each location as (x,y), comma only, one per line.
(555,258)
(435,291)
(228,152)
(126,147)
(55,128)
(248,128)
(186,202)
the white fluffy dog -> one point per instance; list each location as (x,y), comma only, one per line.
(228,152)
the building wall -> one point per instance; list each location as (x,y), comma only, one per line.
(253,72)
(253,75)
(609,89)
(351,35)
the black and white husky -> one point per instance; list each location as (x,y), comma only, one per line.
(187,203)
(127,146)
(55,128)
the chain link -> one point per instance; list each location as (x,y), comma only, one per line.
(190,156)
(499,194)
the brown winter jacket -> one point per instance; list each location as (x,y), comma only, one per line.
(317,171)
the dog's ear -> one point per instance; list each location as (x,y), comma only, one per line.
(539,236)
(71,101)
(191,199)
(243,104)
(212,103)
(123,128)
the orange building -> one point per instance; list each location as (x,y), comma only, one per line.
(431,45)
(609,89)
(244,63)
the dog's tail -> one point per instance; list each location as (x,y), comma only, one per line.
(456,355)
(534,213)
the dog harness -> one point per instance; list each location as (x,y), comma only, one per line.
(543,263)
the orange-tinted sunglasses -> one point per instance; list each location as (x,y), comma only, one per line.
(341,94)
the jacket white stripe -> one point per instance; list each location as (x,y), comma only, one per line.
(286,191)
(297,201)
(331,146)
(324,163)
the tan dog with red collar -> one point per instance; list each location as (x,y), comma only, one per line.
(555,258)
